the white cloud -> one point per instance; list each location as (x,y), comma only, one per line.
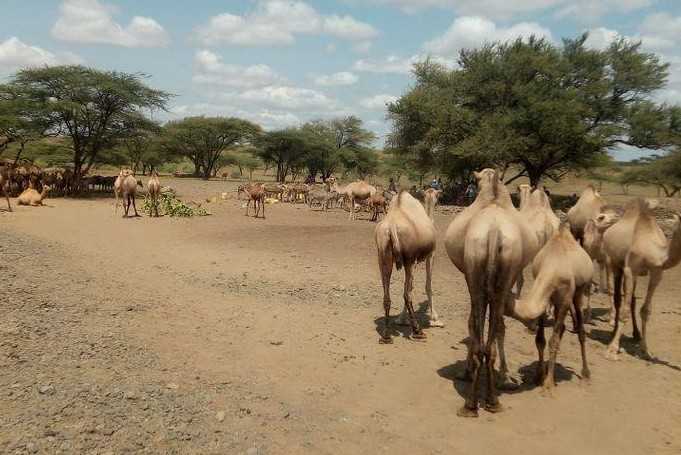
(346,27)
(393,64)
(268,119)
(15,54)
(377,102)
(661,31)
(363,47)
(277,22)
(492,8)
(89,21)
(285,97)
(209,69)
(472,31)
(590,10)
(600,38)
(336,79)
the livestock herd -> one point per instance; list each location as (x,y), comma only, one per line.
(491,242)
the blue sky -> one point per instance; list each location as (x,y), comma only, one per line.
(280,62)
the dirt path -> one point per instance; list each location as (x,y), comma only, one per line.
(230,335)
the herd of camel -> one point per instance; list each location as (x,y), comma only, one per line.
(491,242)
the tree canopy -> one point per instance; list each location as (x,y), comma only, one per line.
(531,106)
(94,109)
(204,139)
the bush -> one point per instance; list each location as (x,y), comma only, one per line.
(235,175)
(172,206)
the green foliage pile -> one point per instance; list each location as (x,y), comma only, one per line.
(170,205)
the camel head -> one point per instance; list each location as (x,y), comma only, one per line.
(605,219)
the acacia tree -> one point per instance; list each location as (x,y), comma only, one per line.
(204,139)
(286,150)
(530,105)
(17,126)
(94,109)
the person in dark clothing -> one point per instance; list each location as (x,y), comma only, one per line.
(391,186)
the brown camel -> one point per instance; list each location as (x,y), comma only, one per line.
(588,207)
(154,192)
(636,246)
(405,237)
(377,205)
(562,277)
(128,188)
(490,243)
(255,193)
(535,208)
(31,197)
(357,191)
(5,178)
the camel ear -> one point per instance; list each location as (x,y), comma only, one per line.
(477,175)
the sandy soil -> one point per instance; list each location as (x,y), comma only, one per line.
(226,334)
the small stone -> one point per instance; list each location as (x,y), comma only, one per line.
(130,396)
(46,390)
(32,448)
(220,416)
(172,386)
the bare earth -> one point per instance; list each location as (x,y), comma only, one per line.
(226,334)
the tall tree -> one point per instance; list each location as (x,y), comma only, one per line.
(94,109)
(286,150)
(204,139)
(529,105)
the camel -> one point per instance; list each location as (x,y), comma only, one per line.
(535,208)
(5,178)
(31,197)
(154,191)
(490,243)
(255,193)
(128,188)
(636,246)
(563,273)
(593,244)
(377,205)
(405,237)
(588,207)
(117,186)
(356,191)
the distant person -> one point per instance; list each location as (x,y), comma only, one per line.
(470,193)
(391,186)
(435,185)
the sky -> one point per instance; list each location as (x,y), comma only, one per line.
(281,63)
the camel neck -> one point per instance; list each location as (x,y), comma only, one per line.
(674,252)
(536,301)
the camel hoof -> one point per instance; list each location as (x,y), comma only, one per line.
(647,356)
(419,336)
(612,354)
(548,390)
(466,412)
(436,323)
(586,375)
(494,407)
(385,340)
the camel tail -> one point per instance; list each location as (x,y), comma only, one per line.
(397,248)
(492,271)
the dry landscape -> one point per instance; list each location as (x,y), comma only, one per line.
(228,334)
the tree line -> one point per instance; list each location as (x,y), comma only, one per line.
(82,117)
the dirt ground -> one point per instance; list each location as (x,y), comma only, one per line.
(226,334)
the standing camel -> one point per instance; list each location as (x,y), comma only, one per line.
(4,184)
(128,189)
(154,192)
(358,191)
(255,193)
(636,246)
(588,207)
(490,243)
(405,237)
(562,278)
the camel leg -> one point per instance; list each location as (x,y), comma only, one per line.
(503,381)
(385,264)
(585,316)
(5,190)
(496,315)
(433,319)
(262,203)
(134,206)
(608,272)
(520,282)
(577,301)
(248,204)
(556,336)
(352,208)
(636,334)
(127,206)
(476,323)
(540,342)
(417,333)
(647,309)
(620,316)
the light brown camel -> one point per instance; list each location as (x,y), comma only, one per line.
(358,191)
(255,193)
(593,245)
(405,237)
(117,187)
(128,189)
(5,178)
(31,197)
(588,207)
(535,208)
(562,278)
(490,243)
(636,246)
(154,192)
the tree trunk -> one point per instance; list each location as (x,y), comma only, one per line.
(535,178)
